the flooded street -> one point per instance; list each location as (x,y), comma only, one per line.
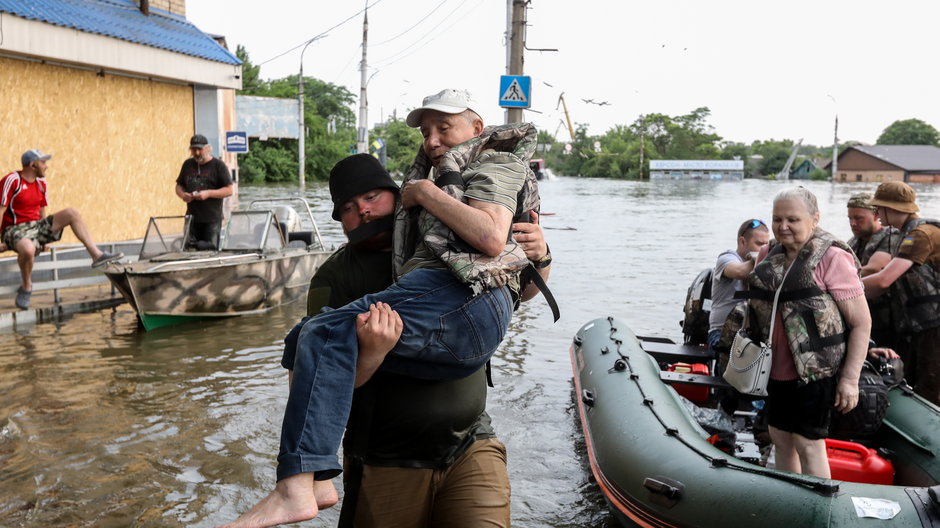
(104,425)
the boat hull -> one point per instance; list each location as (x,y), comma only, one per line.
(169,292)
(655,468)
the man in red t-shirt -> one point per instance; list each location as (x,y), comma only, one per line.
(25,228)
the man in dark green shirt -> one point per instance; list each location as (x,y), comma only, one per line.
(416,452)
(426,449)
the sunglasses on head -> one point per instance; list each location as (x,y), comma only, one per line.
(752,224)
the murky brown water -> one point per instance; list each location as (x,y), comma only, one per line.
(104,425)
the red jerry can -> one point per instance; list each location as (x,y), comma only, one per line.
(853,462)
(695,393)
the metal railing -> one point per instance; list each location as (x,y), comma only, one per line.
(61,267)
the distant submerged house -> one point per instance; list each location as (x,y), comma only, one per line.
(880,163)
(113,89)
(803,170)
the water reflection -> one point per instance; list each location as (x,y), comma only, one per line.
(102,424)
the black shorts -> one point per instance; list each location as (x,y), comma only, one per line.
(805,410)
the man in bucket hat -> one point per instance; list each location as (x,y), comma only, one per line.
(912,277)
(26,229)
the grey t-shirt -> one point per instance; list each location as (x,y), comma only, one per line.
(723,289)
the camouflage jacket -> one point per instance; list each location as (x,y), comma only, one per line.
(815,330)
(886,240)
(915,296)
(499,148)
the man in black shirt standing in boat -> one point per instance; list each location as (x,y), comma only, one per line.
(202,183)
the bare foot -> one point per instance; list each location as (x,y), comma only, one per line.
(294,499)
(325,492)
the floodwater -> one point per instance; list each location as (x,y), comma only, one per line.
(104,425)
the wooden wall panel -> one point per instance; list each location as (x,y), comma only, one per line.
(117,142)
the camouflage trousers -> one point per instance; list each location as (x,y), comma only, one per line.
(39,231)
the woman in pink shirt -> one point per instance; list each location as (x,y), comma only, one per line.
(819,335)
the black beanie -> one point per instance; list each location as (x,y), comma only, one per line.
(355,175)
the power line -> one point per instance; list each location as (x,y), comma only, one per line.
(392,59)
(321,34)
(425,17)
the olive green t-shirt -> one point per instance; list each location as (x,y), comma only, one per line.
(412,422)
(485,183)
(922,245)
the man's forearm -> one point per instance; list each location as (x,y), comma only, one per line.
(483,225)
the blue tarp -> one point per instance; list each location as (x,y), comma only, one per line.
(122,19)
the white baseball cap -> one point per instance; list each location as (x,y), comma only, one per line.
(449,101)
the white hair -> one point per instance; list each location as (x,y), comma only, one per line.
(802,194)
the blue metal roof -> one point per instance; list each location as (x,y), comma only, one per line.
(123,20)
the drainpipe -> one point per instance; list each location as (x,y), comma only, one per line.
(145,7)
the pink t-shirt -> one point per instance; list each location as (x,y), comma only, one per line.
(835,274)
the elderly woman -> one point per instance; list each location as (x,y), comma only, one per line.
(820,335)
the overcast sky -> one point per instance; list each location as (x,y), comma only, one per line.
(767,70)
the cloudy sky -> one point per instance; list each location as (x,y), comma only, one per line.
(766,69)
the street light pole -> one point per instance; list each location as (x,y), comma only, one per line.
(302,132)
(835,141)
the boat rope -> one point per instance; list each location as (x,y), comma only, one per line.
(623,364)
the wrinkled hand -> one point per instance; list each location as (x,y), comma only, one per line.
(880,352)
(531,237)
(413,191)
(378,331)
(846,395)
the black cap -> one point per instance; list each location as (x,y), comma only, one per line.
(198,141)
(355,175)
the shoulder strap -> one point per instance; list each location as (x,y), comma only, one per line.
(533,275)
(773,312)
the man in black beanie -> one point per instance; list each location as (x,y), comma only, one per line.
(452,325)
(401,429)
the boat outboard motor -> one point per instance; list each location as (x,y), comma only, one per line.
(698,306)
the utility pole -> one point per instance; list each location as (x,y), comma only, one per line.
(642,143)
(835,149)
(362,145)
(516,49)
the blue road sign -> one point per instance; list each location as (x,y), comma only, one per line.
(236,141)
(515,91)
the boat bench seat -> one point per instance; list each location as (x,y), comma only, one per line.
(671,352)
(305,236)
(687,378)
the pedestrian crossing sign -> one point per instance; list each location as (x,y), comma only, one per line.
(515,91)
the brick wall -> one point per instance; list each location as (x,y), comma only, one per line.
(173,6)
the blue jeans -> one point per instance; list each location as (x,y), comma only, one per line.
(713,337)
(448,334)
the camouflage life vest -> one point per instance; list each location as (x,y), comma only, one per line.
(498,148)
(886,240)
(915,296)
(813,324)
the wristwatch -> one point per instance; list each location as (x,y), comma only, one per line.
(544,261)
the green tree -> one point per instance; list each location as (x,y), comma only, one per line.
(401,143)
(773,155)
(330,127)
(909,132)
(251,74)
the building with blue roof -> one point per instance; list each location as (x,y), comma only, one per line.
(113,89)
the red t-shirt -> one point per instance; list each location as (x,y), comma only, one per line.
(23,200)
